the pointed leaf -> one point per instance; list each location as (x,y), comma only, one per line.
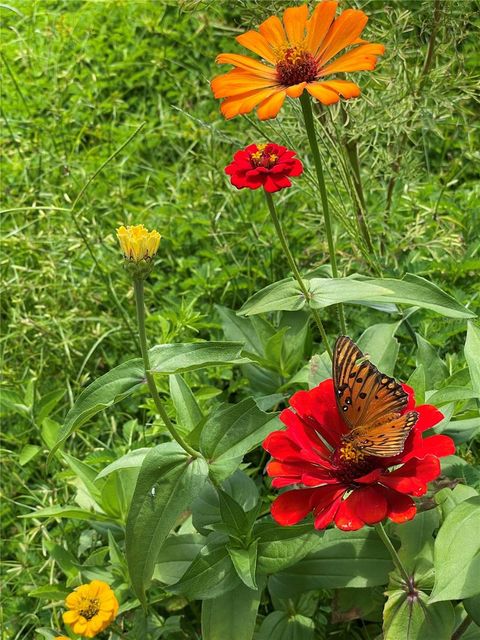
(167,484)
(180,357)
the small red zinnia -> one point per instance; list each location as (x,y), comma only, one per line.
(313,453)
(266,165)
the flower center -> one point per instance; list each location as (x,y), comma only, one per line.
(263,156)
(89,607)
(295,65)
(350,462)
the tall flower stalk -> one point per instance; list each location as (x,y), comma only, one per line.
(271,166)
(139,247)
(293,266)
(317,160)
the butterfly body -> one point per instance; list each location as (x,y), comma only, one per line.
(371,403)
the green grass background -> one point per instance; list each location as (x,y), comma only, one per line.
(78,79)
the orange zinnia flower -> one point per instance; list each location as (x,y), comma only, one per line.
(300,53)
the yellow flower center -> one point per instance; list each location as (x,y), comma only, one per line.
(263,156)
(295,64)
(88,607)
(348,453)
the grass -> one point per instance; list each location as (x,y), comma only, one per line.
(79,79)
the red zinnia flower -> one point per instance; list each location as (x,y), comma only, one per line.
(264,165)
(338,487)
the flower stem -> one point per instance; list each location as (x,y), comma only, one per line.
(140,303)
(393,552)
(294,268)
(312,139)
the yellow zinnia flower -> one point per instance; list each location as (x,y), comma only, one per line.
(138,243)
(92,607)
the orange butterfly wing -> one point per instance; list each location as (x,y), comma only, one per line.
(370,401)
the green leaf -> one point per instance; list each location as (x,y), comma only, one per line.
(46,404)
(131,460)
(280,547)
(211,574)
(176,555)
(285,295)
(49,591)
(414,290)
(472,607)
(245,330)
(206,507)
(181,357)
(245,562)
(231,615)
(418,383)
(109,389)
(187,411)
(415,619)
(233,516)
(345,559)
(167,484)
(28,452)
(416,550)
(66,511)
(281,625)
(431,361)
(472,354)
(457,553)
(231,432)
(327,291)
(379,342)
(87,475)
(451,394)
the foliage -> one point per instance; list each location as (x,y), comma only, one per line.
(82,79)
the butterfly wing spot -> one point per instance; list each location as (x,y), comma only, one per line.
(362,395)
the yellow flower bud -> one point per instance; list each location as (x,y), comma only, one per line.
(138,243)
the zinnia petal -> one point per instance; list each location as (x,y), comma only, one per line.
(322,94)
(249,64)
(270,107)
(362,58)
(295,20)
(400,507)
(319,24)
(292,506)
(257,43)
(344,31)
(272,30)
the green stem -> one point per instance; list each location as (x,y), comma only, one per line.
(312,139)
(462,628)
(393,552)
(140,303)
(294,268)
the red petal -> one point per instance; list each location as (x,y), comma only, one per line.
(411,397)
(325,513)
(369,504)
(318,406)
(413,476)
(306,438)
(292,506)
(279,445)
(346,519)
(400,507)
(429,417)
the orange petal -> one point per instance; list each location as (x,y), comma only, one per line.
(272,31)
(244,103)
(296,90)
(321,93)
(343,87)
(270,107)
(236,81)
(345,30)
(363,58)
(258,44)
(295,20)
(319,25)
(243,62)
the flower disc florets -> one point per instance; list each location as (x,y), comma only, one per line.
(267,165)
(92,607)
(296,65)
(336,481)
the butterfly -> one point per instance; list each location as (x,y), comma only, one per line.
(370,402)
